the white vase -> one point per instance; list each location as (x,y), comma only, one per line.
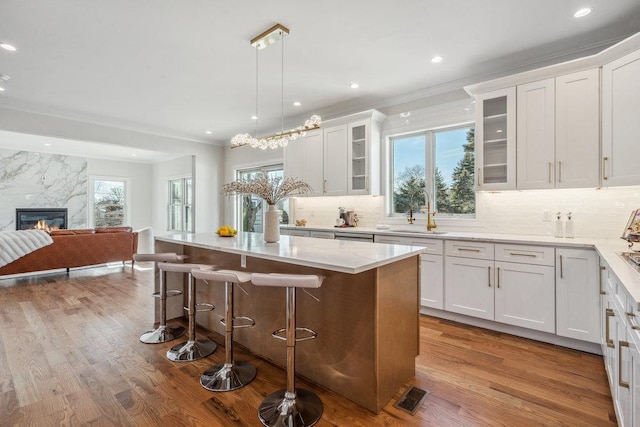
(272,225)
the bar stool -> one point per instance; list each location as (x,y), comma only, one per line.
(231,374)
(191,349)
(290,406)
(163,332)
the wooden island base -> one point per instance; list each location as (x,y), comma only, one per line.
(367,323)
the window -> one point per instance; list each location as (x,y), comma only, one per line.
(438,161)
(252,208)
(180,204)
(109,202)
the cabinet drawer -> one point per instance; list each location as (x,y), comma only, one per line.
(476,250)
(537,255)
(322,234)
(431,246)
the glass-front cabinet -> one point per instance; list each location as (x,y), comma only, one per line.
(495,140)
(359,157)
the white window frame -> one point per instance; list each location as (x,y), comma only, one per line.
(183,178)
(238,199)
(127,196)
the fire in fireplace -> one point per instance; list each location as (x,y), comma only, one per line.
(41,218)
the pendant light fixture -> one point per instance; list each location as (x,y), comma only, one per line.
(274,34)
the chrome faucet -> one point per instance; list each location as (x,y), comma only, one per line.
(431,224)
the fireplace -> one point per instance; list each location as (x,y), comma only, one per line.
(44,218)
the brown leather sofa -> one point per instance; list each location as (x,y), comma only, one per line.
(78,248)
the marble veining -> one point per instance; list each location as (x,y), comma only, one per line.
(39,180)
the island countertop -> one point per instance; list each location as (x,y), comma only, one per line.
(336,255)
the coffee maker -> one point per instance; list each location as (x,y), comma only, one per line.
(349,217)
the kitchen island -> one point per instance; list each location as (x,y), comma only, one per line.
(366,312)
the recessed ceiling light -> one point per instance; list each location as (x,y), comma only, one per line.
(582,12)
(499,131)
(47,144)
(354,85)
(254,117)
(134,155)
(297,104)
(9,47)
(208,132)
(1,89)
(437,59)
(405,114)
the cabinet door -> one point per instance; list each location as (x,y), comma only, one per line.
(577,294)
(496,140)
(468,287)
(611,344)
(622,402)
(620,106)
(536,135)
(359,152)
(635,384)
(602,277)
(432,281)
(578,129)
(525,296)
(303,160)
(294,159)
(335,161)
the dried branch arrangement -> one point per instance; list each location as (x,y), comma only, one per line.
(272,190)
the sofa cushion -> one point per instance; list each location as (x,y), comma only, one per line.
(114,230)
(61,233)
(84,231)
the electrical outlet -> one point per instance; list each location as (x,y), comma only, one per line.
(546,216)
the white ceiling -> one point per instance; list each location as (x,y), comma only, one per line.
(179,68)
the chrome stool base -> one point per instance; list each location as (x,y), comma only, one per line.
(304,408)
(163,334)
(227,377)
(188,351)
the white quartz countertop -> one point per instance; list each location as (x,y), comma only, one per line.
(335,255)
(608,249)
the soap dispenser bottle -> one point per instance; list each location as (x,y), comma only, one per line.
(568,227)
(558,224)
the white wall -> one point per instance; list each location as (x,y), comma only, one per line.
(139,176)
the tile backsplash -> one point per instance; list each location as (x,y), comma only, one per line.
(599,212)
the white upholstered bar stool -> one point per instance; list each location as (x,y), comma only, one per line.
(191,349)
(290,406)
(163,332)
(231,374)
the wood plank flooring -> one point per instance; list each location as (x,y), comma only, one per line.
(70,355)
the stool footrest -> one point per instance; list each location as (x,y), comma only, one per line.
(243,322)
(170,293)
(201,306)
(280,334)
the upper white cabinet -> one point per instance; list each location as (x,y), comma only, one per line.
(341,159)
(558,132)
(301,160)
(620,107)
(496,140)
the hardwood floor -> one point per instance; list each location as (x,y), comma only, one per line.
(70,355)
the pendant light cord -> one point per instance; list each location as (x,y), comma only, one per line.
(257,117)
(282,87)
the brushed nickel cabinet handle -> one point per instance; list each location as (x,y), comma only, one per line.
(478,178)
(489,275)
(608,313)
(632,322)
(561,269)
(469,249)
(621,383)
(324,187)
(498,278)
(527,255)
(604,167)
(559,171)
(550,166)
(602,268)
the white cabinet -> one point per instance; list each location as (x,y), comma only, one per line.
(635,383)
(303,160)
(577,294)
(622,401)
(620,106)
(496,140)
(558,125)
(322,234)
(469,286)
(294,232)
(336,161)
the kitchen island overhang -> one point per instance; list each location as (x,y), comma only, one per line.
(366,317)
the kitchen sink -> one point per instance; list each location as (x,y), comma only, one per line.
(398,230)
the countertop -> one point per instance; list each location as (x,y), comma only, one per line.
(335,255)
(608,249)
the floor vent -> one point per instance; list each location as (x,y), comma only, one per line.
(411,400)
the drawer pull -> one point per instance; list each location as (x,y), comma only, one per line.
(561,269)
(527,255)
(559,171)
(608,313)
(498,278)
(489,275)
(469,250)
(604,168)
(632,322)
(550,166)
(602,268)
(621,383)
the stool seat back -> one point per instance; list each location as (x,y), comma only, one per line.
(161,257)
(182,268)
(287,280)
(222,275)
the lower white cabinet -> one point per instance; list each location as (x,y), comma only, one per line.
(294,232)
(577,294)
(469,286)
(525,296)
(635,383)
(432,281)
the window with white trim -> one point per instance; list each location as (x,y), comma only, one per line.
(109,202)
(180,205)
(251,208)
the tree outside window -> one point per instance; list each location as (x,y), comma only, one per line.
(441,162)
(109,203)
(251,208)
